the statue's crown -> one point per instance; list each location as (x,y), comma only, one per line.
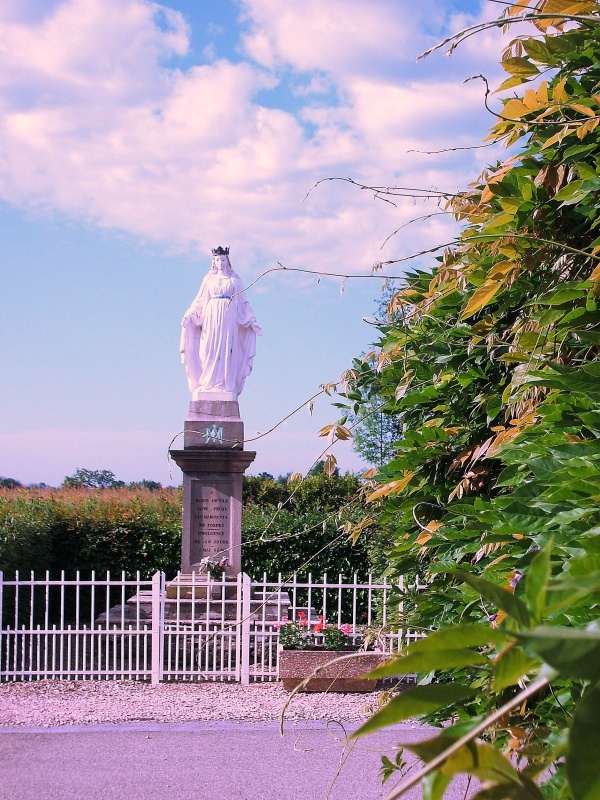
(220,251)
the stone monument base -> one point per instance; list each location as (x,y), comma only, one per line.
(213,463)
(190,600)
(213,423)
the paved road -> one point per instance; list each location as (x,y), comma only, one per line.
(199,760)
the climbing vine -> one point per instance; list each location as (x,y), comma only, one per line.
(490,366)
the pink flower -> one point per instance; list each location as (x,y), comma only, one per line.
(346,628)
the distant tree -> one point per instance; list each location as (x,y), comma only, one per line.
(152,486)
(9,483)
(377,432)
(92,479)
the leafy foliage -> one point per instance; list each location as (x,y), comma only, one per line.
(491,364)
(303,526)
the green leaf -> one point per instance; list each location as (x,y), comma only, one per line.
(583,763)
(581,583)
(500,597)
(527,790)
(415,701)
(492,408)
(521,67)
(572,651)
(560,295)
(434,785)
(479,759)
(568,191)
(429,662)
(538,51)
(457,636)
(536,582)
(510,666)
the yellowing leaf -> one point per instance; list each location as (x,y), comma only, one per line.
(510,204)
(330,464)
(481,298)
(558,137)
(326,430)
(514,110)
(453,430)
(542,93)
(595,274)
(501,269)
(530,99)
(394,487)
(568,7)
(503,438)
(498,221)
(336,431)
(514,80)
(486,194)
(517,7)
(582,109)
(342,433)
(558,93)
(423,537)
(587,127)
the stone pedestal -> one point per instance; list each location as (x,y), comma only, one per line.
(213,463)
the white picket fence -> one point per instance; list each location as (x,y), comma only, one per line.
(109,628)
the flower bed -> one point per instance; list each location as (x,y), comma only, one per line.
(330,652)
(340,676)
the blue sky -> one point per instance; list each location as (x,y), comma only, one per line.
(135,136)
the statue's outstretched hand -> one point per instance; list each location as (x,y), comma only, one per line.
(257,329)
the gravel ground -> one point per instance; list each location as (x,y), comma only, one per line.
(52,703)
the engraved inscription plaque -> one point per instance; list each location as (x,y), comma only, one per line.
(210,520)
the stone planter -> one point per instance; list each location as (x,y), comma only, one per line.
(343,676)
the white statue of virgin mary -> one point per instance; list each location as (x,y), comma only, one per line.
(218,336)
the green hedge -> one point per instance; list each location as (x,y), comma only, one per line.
(84,529)
(137,529)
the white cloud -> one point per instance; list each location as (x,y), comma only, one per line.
(96,122)
(108,49)
(340,36)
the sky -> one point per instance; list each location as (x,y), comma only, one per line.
(136,136)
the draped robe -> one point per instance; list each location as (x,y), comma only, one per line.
(218,342)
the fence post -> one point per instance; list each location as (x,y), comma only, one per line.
(1,621)
(245,626)
(158,620)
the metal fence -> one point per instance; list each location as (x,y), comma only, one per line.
(189,629)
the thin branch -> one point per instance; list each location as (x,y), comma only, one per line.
(393,191)
(471,30)
(415,219)
(452,149)
(452,243)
